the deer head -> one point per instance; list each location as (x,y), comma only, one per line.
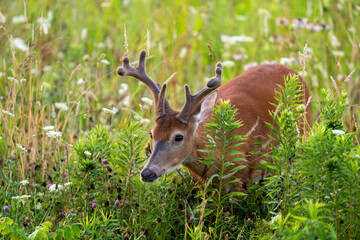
(173,138)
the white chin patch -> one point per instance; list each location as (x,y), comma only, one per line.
(171,169)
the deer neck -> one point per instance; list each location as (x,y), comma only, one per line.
(199,171)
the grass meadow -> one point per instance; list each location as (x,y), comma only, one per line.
(74,135)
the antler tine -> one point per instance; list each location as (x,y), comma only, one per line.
(161,103)
(192,100)
(139,73)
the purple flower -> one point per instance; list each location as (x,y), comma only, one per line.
(117,202)
(45,196)
(65,174)
(104,160)
(192,218)
(93,203)
(115,172)
(100,178)
(249,219)
(49,185)
(178,168)
(6,208)
(73,171)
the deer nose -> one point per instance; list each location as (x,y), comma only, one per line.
(148,175)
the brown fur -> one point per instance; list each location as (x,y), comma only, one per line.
(251,93)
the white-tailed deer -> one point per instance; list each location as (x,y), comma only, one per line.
(178,136)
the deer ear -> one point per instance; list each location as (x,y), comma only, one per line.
(206,107)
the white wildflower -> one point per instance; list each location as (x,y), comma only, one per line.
(45,21)
(232,40)
(24,182)
(1,137)
(126,2)
(115,109)
(23,80)
(38,206)
(87,153)
(334,41)
(21,148)
(274,219)
(80,81)
(104,61)
(46,128)
(183,52)
(108,111)
(2,18)
(145,121)
(146,100)
(126,101)
(21,197)
(67,184)
(47,68)
(123,88)
(36,185)
(239,57)
(316,27)
(20,44)
(54,134)
(2,74)
(19,19)
(12,79)
(56,188)
(44,28)
(357,156)
(338,132)
(228,63)
(299,22)
(250,65)
(8,113)
(105,4)
(338,53)
(286,61)
(84,33)
(62,106)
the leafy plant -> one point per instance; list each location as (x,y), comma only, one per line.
(222,155)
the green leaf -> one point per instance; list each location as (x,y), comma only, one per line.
(209,181)
(238,168)
(47,225)
(67,233)
(76,230)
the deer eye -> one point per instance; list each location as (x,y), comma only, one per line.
(150,133)
(179,138)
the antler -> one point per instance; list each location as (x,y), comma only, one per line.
(193,100)
(139,72)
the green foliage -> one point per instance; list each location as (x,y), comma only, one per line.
(305,221)
(11,230)
(324,168)
(221,154)
(286,134)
